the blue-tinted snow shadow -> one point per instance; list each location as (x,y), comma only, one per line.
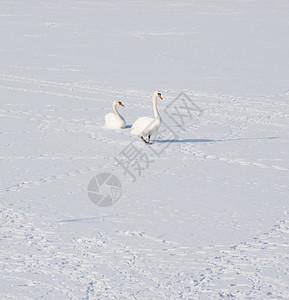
(128,126)
(91,219)
(213,141)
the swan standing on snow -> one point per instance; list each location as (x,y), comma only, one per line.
(114,121)
(146,126)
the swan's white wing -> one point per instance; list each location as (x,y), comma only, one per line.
(111,121)
(144,126)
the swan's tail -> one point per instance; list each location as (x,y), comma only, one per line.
(134,131)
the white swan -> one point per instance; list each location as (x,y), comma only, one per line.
(146,126)
(114,120)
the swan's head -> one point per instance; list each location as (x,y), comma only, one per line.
(158,94)
(116,102)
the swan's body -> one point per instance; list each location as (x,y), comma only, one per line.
(146,126)
(114,120)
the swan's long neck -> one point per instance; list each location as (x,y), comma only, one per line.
(156,112)
(115,110)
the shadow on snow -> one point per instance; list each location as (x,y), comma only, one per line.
(213,141)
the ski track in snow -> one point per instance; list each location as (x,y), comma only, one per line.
(129,264)
(156,242)
(141,266)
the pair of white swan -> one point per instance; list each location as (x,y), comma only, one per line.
(144,126)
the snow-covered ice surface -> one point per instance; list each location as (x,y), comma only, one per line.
(208,218)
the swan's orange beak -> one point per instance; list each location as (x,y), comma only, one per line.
(160,96)
(121,104)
